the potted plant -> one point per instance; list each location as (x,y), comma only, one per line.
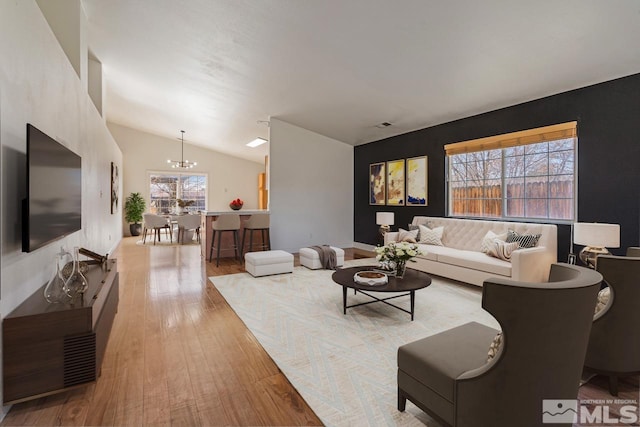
(134,207)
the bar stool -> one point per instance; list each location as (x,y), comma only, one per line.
(226,222)
(257,222)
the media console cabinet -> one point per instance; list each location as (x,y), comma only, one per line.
(50,348)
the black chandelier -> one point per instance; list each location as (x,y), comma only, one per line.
(182,164)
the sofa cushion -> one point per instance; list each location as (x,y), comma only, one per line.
(494,347)
(410,236)
(477,261)
(487,240)
(501,249)
(524,240)
(430,236)
(603,298)
(412,227)
(436,361)
(431,252)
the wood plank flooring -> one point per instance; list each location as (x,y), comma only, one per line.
(179,355)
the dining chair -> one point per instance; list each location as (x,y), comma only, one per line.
(155,223)
(186,223)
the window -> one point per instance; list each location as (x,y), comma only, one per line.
(521,175)
(166,188)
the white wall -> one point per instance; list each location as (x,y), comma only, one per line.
(229,177)
(310,188)
(38,85)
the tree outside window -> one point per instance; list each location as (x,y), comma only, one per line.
(167,188)
(534,181)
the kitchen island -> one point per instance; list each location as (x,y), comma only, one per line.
(226,250)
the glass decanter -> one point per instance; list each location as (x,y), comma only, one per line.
(76,284)
(55,292)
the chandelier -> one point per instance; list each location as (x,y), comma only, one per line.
(181,164)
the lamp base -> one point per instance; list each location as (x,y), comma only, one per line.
(384,229)
(589,255)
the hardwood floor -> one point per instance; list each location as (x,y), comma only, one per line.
(179,355)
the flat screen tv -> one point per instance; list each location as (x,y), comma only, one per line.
(53,206)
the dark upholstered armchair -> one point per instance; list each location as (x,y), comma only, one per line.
(545,334)
(614,345)
(633,251)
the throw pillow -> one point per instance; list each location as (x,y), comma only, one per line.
(407,236)
(415,227)
(431,237)
(487,240)
(494,346)
(501,249)
(603,299)
(524,240)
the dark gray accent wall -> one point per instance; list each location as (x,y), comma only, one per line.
(608,116)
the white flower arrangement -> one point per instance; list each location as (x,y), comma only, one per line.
(396,253)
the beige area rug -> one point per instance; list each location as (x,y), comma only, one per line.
(345,365)
(164,241)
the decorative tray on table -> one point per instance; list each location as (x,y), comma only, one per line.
(371,278)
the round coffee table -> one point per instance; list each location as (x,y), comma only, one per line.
(410,283)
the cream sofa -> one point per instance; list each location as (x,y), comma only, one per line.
(461,258)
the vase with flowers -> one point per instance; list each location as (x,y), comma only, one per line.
(236,204)
(393,257)
(183,204)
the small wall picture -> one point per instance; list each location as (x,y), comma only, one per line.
(377,184)
(417,184)
(114,188)
(395,183)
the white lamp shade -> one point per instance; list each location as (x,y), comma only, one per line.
(384,218)
(596,234)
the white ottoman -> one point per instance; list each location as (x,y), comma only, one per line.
(268,262)
(310,258)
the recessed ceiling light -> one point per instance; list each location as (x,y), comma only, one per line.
(256,142)
(383,125)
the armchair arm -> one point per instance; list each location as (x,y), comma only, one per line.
(531,264)
(391,236)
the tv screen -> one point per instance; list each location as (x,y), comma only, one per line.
(53,205)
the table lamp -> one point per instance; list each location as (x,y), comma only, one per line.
(597,238)
(384,220)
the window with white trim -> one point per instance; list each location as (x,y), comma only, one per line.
(522,175)
(166,188)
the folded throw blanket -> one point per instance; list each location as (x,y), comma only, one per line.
(327,256)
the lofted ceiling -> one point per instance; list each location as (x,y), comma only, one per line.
(340,67)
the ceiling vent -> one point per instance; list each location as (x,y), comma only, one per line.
(383,125)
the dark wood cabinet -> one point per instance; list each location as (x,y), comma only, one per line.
(49,348)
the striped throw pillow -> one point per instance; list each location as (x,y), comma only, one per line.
(524,240)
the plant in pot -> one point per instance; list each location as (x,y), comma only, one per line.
(134,207)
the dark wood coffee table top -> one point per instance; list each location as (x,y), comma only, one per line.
(412,280)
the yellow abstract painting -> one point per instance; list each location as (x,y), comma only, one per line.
(395,183)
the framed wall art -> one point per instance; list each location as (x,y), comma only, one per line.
(395,183)
(114,187)
(377,184)
(417,181)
